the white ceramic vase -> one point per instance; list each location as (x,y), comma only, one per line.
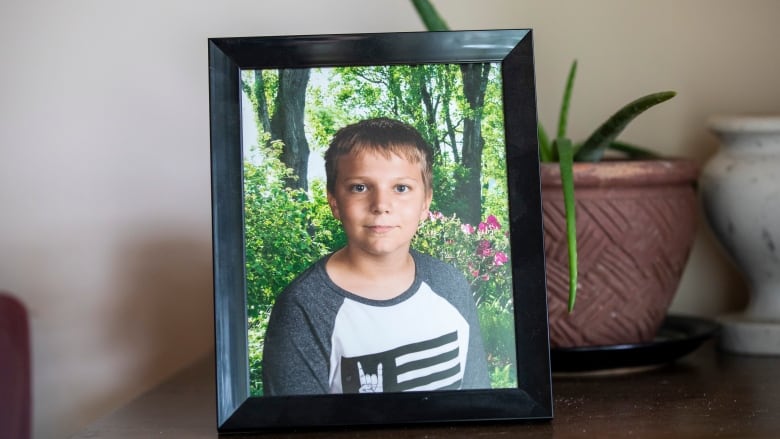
(740,192)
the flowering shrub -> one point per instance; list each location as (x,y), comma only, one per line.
(480,252)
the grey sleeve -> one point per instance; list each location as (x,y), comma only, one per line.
(447,281)
(296,351)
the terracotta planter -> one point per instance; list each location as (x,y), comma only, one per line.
(636,223)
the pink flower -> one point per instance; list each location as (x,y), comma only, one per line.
(474,272)
(485,276)
(500,258)
(483,248)
(492,222)
(467,228)
(435,215)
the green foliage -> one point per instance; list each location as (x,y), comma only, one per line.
(503,376)
(255,339)
(326,228)
(545,148)
(498,335)
(260,85)
(279,231)
(604,136)
(480,252)
(497,324)
(446,198)
(563,118)
(566,153)
(323,119)
(430,17)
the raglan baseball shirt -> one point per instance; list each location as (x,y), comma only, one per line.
(324,339)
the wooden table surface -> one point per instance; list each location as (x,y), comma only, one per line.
(705,394)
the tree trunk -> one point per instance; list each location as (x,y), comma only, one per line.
(262,105)
(475,78)
(429,109)
(287,125)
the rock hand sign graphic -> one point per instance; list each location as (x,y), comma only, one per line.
(427,365)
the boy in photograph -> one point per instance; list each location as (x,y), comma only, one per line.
(376,315)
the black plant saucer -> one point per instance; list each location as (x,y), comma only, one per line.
(678,336)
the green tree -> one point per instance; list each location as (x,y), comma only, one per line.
(284,120)
(475,79)
(287,125)
(261,87)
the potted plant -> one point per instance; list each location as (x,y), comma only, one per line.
(630,237)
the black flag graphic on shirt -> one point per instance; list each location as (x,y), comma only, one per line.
(405,368)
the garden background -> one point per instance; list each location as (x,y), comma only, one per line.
(289,117)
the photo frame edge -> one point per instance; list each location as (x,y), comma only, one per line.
(230,336)
(229,333)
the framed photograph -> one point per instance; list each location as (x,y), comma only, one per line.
(377,230)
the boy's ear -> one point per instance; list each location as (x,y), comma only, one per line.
(334,206)
(427,207)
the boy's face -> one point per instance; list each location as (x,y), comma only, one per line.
(379,201)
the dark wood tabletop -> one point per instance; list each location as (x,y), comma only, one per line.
(705,394)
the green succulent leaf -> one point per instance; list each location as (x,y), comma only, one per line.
(429,16)
(545,151)
(633,152)
(592,149)
(563,118)
(566,163)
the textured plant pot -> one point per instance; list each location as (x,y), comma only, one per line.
(636,222)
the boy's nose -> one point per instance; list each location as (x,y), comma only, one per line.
(381,203)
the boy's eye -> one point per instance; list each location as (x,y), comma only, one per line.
(357,188)
(402,188)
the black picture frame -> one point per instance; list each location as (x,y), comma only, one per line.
(237,411)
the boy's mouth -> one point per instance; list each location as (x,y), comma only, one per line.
(380,228)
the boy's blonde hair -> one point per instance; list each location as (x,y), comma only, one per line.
(384,136)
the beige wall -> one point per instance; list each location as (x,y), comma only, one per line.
(104,155)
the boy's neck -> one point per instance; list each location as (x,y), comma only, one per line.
(372,277)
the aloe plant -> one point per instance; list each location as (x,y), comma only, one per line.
(563,150)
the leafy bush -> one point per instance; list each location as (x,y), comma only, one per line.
(481,253)
(283,233)
(503,377)
(498,329)
(255,340)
